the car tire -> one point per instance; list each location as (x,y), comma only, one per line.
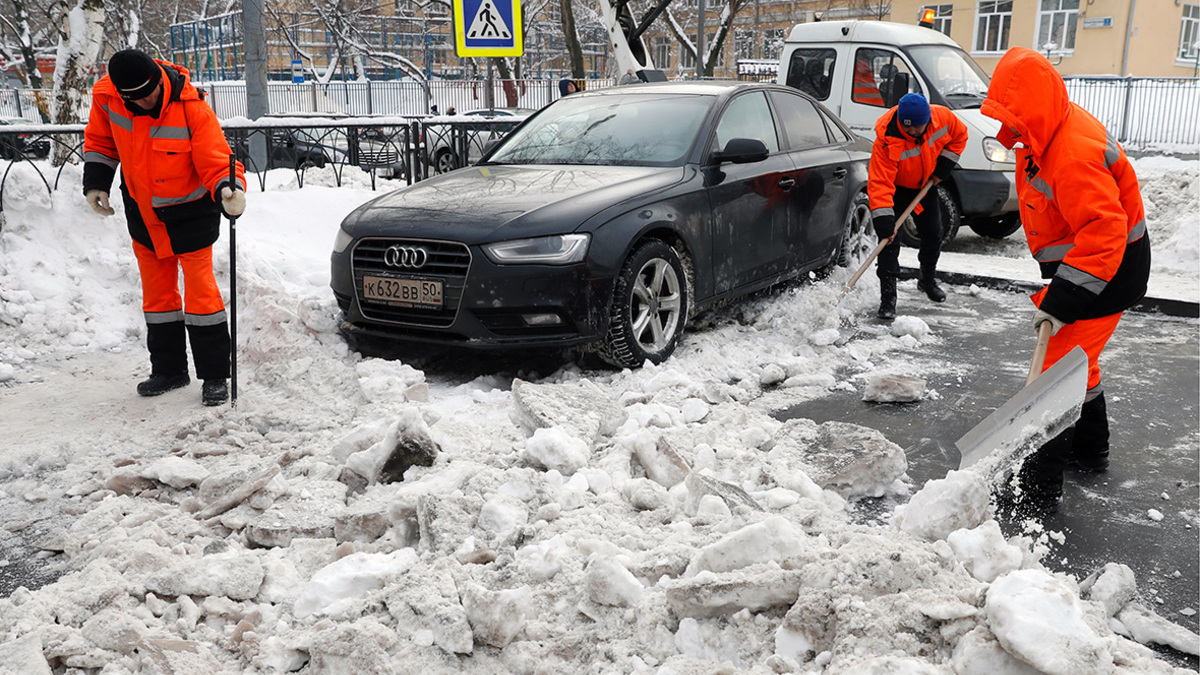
(858,236)
(649,307)
(443,161)
(997,228)
(951,220)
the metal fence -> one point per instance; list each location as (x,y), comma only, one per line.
(1143,112)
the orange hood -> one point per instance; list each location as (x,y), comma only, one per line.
(1028,95)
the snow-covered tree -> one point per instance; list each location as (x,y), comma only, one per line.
(77,53)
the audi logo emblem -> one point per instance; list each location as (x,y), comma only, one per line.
(405,256)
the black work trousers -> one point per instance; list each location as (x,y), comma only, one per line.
(929,228)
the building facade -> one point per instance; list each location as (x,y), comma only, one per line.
(1153,38)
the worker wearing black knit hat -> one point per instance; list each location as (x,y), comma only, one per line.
(150,121)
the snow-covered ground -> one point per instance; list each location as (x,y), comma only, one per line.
(657,521)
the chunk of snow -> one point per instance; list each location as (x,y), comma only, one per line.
(888,388)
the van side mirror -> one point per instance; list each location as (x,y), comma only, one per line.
(742,151)
(897,89)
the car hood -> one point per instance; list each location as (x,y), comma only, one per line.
(480,204)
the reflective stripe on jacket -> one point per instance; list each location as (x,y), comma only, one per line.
(178,157)
(1080,204)
(900,160)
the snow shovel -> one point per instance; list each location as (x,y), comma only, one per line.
(883,244)
(1048,404)
(232,289)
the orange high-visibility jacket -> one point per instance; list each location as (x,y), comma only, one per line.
(1080,203)
(900,160)
(173,166)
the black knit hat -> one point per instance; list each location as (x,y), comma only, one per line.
(134,74)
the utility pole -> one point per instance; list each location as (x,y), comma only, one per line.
(700,41)
(257,103)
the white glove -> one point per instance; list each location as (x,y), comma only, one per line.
(233,201)
(98,200)
(1041,317)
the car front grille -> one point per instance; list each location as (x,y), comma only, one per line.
(448,262)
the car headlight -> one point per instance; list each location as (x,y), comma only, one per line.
(995,151)
(342,240)
(560,249)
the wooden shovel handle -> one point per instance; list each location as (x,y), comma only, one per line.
(1039,352)
(883,244)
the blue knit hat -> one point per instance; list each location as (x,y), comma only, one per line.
(913,110)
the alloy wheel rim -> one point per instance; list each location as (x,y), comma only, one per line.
(655,305)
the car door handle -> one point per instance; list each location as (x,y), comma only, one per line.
(787,184)
(839,172)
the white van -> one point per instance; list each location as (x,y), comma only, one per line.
(859,69)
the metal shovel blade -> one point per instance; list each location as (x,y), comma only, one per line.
(1036,414)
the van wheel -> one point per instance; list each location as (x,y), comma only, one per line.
(951,220)
(997,228)
(649,307)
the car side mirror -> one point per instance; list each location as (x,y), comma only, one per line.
(742,151)
(897,90)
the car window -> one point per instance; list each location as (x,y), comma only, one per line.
(836,132)
(748,116)
(811,71)
(873,73)
(802,124)
(632,129)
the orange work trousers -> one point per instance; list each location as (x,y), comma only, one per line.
(1091,334)
(160,284)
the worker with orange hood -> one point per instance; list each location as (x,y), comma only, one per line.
(1085,225)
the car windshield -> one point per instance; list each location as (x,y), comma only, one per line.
(952,74)
(629,129)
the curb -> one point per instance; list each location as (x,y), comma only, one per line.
(1167,306)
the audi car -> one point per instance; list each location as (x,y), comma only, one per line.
(608,219)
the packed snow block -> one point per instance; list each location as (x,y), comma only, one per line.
(115,631)
(555,449)
(127,482)
(224,491)
(581,408)
(1143,625)
(961,500)
(665,461)
(24,656)
(608,582)
(1113,586)
(773,539)
(443,522)
(496,617)
(430,602)
(979,653)
(361,523)
(307,514)
(502,519)
(405,444)
(710,594)
(178,472)
(890,388)
(1038,618)
(351,578)
(851,460)
(700,485)
(177,657)
(235,574)
(362,647)
(644,494)
(984,552)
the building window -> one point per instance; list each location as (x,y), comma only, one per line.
(1057,21)
(687,60)
(743,44)
(1189,33)
(994,19)
(772,44)
(941,17)
(661,52)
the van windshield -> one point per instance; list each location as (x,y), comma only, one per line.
(952,74)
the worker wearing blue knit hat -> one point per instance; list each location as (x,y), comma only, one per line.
(915,143)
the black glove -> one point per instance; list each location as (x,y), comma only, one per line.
(884,226)
(943,168)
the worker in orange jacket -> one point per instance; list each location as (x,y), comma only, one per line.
(914,143)
(149,120)
(1085,224)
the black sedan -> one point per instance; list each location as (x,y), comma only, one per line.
(610,218)
(23,144)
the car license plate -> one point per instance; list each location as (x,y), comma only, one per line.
(403,292)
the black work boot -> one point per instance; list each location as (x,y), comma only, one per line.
(214,392)
(1089,451)
(928,284)
(161,384)
(887,298)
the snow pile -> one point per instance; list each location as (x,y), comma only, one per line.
(359,515)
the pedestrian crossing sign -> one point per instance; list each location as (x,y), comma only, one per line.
(487,28)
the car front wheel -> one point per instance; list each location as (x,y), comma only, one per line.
(951,220)
(649,308)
